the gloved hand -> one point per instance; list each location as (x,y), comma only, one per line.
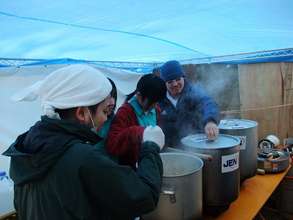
(211,130)
(154,134)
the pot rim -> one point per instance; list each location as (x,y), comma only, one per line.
(253,124)
(232,137)
(199,168)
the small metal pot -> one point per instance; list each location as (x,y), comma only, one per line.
(181,193)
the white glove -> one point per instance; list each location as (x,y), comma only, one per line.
(154,134)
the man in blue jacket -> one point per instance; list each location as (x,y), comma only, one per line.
(187,109)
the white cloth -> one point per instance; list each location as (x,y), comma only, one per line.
(68,87)
(154,134)
(172,100)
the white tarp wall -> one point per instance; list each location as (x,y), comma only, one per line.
(18,117)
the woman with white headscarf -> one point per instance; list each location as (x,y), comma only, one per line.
(58,172)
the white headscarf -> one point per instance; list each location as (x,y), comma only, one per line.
(68,87)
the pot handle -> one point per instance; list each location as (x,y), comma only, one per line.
(202,156)
(169,191)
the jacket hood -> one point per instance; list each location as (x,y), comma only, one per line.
(35,152)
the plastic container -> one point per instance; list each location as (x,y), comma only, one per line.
(6,194)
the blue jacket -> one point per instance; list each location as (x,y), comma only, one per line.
(193,111)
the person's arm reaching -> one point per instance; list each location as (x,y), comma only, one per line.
(210,113)
(121,190)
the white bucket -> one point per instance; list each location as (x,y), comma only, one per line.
(6,194)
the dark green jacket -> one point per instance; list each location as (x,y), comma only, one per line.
(59,174)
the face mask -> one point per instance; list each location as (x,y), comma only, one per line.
(94,128)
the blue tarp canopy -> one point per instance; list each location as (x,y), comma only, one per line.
(143,31)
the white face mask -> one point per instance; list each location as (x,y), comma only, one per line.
(94,128)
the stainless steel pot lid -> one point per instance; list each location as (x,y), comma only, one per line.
(237,124)
(201,141)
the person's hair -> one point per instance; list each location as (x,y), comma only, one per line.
(113,92)
(156,71)
(69,114)
(151,87)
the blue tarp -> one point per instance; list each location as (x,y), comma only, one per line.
(261,57)
(284,55)
(267,57)
(143,31)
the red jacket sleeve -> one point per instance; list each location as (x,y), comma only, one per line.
(158,112)
(125,136)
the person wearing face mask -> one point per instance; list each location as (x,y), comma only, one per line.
(103,132)
(139,111)
(58,172)
(187,109)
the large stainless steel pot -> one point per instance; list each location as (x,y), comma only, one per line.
(181,194)
(246,130)
(221,176)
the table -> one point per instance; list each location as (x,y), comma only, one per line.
(254,192)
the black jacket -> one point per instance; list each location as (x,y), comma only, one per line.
(59,174)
